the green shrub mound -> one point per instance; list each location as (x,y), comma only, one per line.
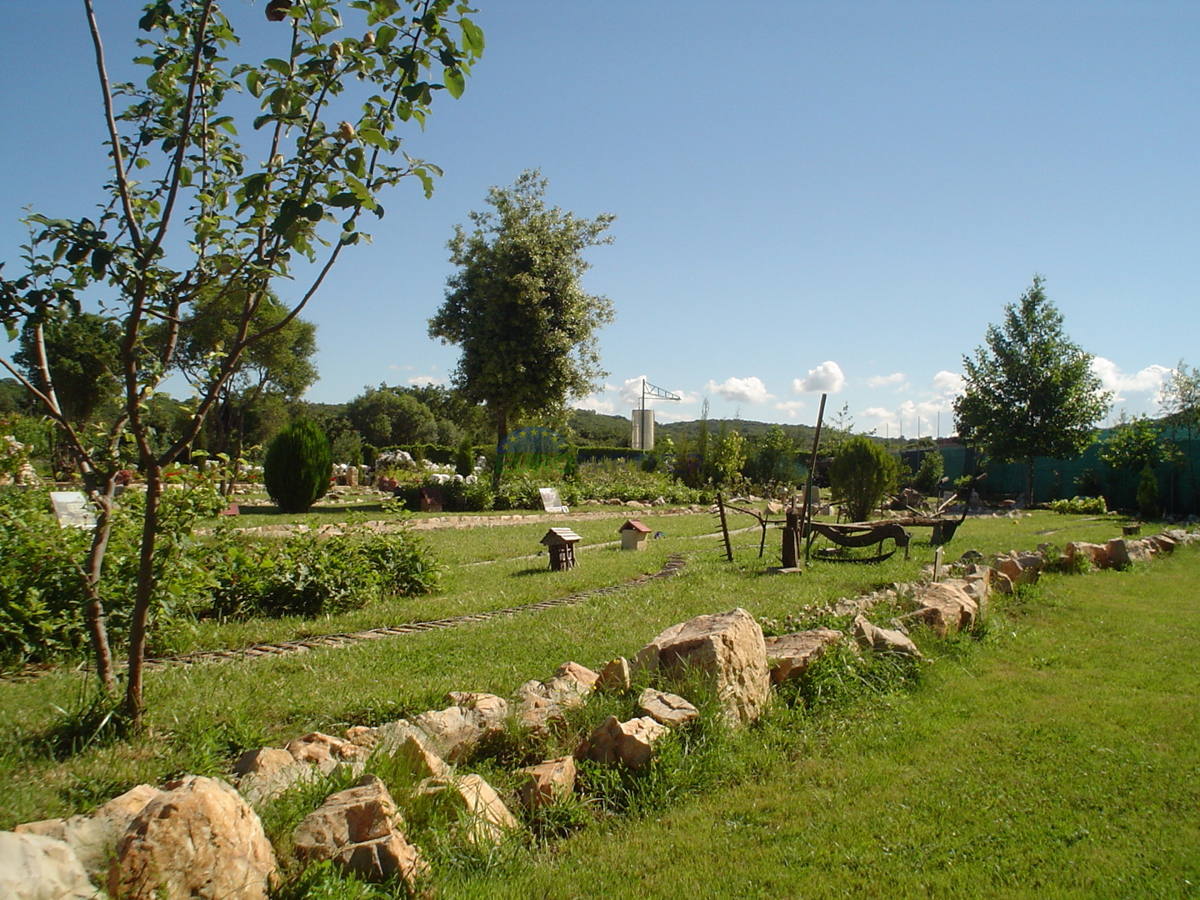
(297,466)
(861,473)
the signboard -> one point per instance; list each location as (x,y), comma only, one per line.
(71,509)
(551,502)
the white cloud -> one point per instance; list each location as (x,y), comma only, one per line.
(825,378)
(1149,379)
(741,390)
(424,379)
(884,380)
(596,404)
(950,383)
(877,412)
(791,407)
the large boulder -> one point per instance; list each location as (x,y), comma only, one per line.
(946,607)
(36,867)
(263,774)
(93,839)
(727,650)
(790,654)
(197,839)
(360,829)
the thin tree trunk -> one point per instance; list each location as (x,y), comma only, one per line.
(94,609)
(501,434)
(1029,484)
(139,623)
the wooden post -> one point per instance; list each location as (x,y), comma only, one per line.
(791,540)
(724,527)
(806,513)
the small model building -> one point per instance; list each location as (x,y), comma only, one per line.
(634,535)
(561,542)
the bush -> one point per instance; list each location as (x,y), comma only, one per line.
(1080,506)
(298,466)
(1147,494)
(310,576)
(861,473)
(930,473)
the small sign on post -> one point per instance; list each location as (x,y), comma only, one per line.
(551,502)
(71,510)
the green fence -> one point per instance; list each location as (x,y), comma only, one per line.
(1088,475)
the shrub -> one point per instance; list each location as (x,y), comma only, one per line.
(1080,506)
(1147,494)
(930,473)
(310,576)
(297,466)
(860,474)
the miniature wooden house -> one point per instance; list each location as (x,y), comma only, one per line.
(634,535)
(561,543)
(432,499)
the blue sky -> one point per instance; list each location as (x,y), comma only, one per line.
(809,196)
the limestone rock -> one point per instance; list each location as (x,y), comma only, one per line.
(883,640)
(727,650)
(325,751)
(546,782)
(581,675)
(790,654)
(1095,554)
(484,817)
(195,839)
(264,761)
(631,743)
(360,830)
(666,709)
(493,710)
(616,677)
(93,839)
(362,736)
(947,607)
(453,732)
(36,867)
(420,759)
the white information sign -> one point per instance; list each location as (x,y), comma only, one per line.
(71,509)
(551,502)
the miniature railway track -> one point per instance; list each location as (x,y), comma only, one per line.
(673,566)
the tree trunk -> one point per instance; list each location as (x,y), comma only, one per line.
(1029,483)
(501,434)
(94,569)
(139,623)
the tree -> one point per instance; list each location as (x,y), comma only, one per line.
(193,215)
(516,309)
(389,416)
(860,474)
(277,368)
(1031,392)
(1181,403)
(82,353)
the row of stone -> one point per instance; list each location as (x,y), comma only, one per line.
(199,837)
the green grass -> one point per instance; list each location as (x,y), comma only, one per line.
(802,775)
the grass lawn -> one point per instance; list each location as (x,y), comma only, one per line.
(1060,758)
(1056,756)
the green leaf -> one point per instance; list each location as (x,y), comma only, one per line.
(472,36)
(254,82)
(279,66)
(355,161)
(141,162)
(374,138)
(343,200)
(456,83)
